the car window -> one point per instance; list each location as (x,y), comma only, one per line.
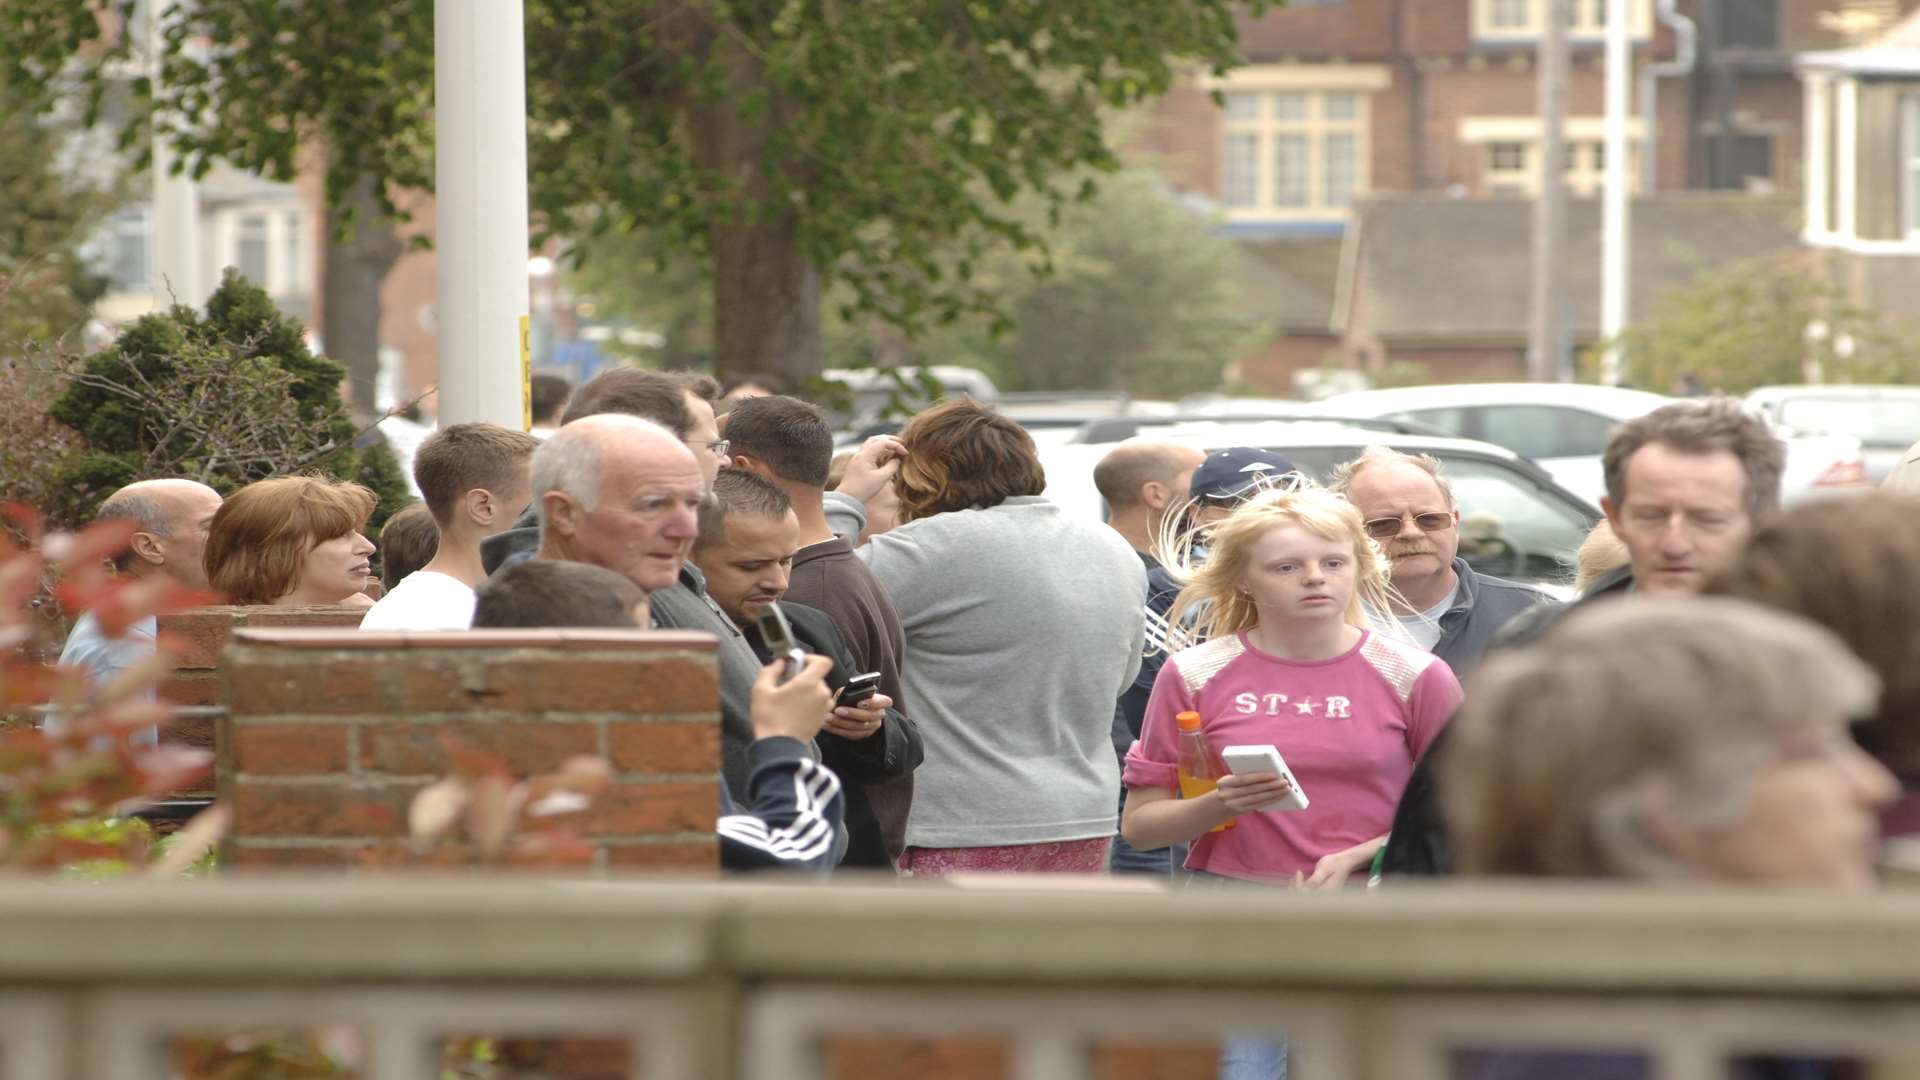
(1451,421)
(1544,431)
(1885,421)
(1512,527)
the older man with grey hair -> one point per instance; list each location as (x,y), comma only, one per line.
(171,518)
(618,491)
(1443,605)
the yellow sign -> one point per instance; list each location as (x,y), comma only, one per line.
(526,373)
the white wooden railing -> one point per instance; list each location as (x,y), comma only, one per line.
(720,981)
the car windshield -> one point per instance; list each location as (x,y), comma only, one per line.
(1877,421)
(1511,525)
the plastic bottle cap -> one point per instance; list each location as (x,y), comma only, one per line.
(1188,721)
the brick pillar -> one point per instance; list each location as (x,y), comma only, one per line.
(195,682)
(329,733)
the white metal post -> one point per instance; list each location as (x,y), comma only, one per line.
(480,108)
(1615,212)
(1818,153)
(176,199)
(1846,159)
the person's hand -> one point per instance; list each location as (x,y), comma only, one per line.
(862,722)
(1332,871)
(795,708)
(873,467)
(1244,792)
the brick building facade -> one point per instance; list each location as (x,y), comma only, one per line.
(1343,102)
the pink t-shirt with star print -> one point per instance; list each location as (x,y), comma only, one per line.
(1350,728)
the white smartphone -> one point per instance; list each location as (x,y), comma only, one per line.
(1246,760)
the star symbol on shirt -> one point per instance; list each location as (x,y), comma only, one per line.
(1305,706)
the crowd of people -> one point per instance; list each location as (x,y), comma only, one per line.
(1727,697)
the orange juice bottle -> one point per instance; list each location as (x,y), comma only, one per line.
(1199,768)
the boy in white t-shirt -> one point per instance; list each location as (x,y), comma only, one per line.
(474,480)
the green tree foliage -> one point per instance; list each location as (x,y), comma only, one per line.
(46,214)
(1141,294)
(226,397)
(797,141)
(1760,322)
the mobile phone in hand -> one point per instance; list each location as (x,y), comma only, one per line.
(858,689)
(777,634)
(1266,760)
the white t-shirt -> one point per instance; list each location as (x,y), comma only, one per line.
(424,600)
(1424,628)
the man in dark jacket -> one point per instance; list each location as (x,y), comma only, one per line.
(791,815)
(1409,508)
(683,406)
(789,443)
(746,551)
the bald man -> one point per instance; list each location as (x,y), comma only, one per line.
(625,493)
(620,492)
(172,516)
(1144,481)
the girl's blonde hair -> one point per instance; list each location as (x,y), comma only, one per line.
(1600,554)
(1212,592)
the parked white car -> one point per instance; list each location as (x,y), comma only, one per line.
(1563,428)
(1886,419)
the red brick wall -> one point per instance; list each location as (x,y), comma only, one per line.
(408,316)
(1270,373)
(1461,80)
(204,632)
(1465,363)
(1356,28)
(330,733)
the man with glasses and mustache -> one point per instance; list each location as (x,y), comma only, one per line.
(1445,607)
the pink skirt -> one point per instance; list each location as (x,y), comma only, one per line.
(1059,857)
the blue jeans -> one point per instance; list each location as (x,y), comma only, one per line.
(1124,858)
(1249,1056)
(1127,859)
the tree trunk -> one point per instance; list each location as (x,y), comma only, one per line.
(356,267)
(766,292)
(766,302)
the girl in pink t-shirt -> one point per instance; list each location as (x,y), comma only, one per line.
(1287,659)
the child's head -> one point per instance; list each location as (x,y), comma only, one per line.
(1287,552)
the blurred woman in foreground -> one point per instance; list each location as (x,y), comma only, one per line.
(1702,739)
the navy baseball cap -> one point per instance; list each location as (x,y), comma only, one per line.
(1235,472)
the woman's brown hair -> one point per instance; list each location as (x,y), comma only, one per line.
(1628,709)
(259,540)
(962,455)
(1852,565)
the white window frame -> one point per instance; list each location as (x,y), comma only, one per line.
(1316,82)
(1582,133)
(1583,26)
(1498,179)
(288,236)
(136,218)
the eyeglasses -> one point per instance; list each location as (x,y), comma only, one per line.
(720,447)
(1388,527)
